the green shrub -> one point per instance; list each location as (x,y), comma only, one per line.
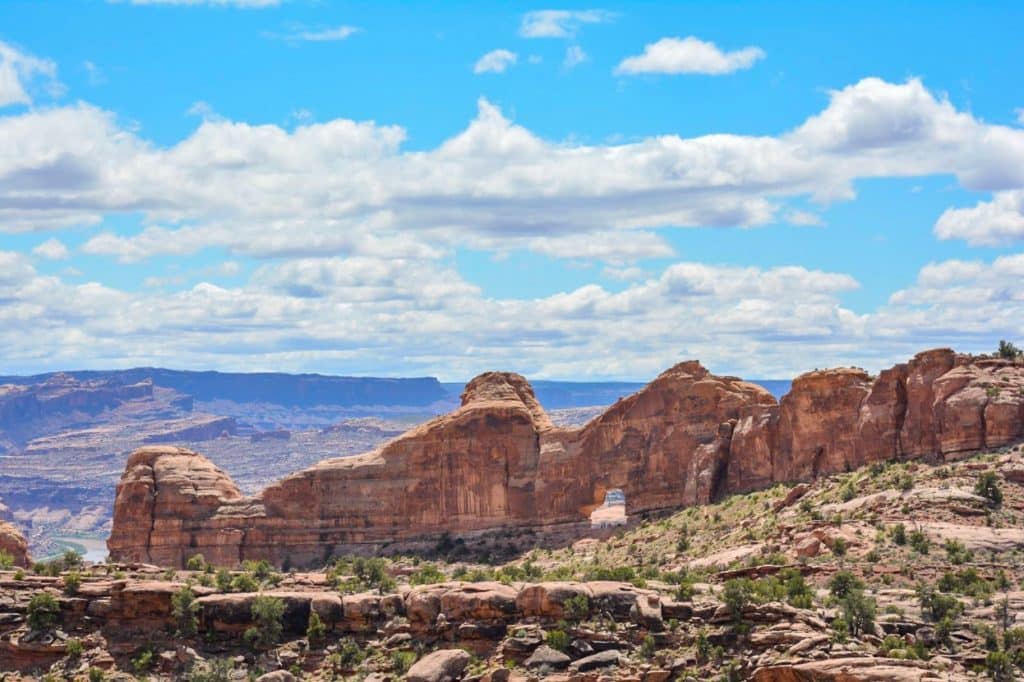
(703,646)
(798,592)
(847,492)
(919,542)
(987,486)
(6,560)
(186,610)
(839,547)
(211,670)
(245,582)
(736,595)
(71,559)
(999,667)
(401,661)
(648,647)
(223,580)
(19,575)
(843,583)
(840,630)
(557,640)
(74,647)
(1004,614)
(96,675)
(1008,351)
(266,612)
(428,574)
(857,611)
(350,654)
(938,606)
(143,661)
(196,562)
(957,552)
(965,581)
(577,608)
(622,574)
(43,612)
(316,631)
(72,581)
(899,534)
(261,569)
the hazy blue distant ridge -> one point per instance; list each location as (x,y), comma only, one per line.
(291,390)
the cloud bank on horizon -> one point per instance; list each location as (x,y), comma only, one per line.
(344,245)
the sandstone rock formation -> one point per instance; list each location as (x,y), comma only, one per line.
(497,463)
(14,544)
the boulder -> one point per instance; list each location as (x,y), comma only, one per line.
(601,659)
(546,657)
(277,676)
(546,600)
(440,666)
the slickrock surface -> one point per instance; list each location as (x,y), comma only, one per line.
(497,464)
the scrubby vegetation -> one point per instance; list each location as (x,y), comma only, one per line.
(892,560)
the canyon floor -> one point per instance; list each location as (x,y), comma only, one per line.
(899,571)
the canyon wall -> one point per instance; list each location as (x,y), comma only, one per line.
(498,464)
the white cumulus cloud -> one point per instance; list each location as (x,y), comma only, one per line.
(495,61)
(52,249)
(574,56)
(560,23)
(688,55)
(989,223)
(19,71)
(318,35)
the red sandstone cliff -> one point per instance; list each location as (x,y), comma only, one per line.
(498,463)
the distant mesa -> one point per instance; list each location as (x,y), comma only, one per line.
(498,464)
(293,390)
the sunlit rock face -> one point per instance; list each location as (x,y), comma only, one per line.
(498,464)
(14,544)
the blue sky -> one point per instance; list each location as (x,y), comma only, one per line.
(571,191)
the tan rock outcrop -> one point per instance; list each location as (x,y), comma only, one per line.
(867,669)
(498,463)
(14,544)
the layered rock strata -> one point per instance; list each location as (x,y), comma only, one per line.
(497,463)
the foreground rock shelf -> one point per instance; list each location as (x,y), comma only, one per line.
(497,464)
(112,621)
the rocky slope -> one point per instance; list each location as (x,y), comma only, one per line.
(498,465)
(894,571)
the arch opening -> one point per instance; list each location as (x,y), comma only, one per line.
(612,511)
